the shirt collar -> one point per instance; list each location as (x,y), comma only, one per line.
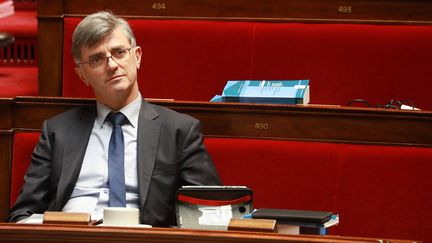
(131,111)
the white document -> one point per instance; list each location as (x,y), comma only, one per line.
(220,215)
(33,219)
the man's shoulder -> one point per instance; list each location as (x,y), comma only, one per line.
(72,114)
(167,114)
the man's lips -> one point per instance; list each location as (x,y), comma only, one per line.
(116,77)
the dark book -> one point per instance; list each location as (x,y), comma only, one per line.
(297,217)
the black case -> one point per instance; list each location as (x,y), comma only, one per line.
(293,216)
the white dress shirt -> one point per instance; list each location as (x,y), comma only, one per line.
(91,191)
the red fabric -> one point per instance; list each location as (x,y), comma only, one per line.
(18,81)
(23,145)
(192,60)
(181,60)
(279,172)
(385,192)
(21,23)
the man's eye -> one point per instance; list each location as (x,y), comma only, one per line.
(96,60)
(120,53)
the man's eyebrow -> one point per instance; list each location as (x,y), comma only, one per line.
(97,54)
(116,48)
(113,49)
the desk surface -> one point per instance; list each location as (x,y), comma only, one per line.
(75,233)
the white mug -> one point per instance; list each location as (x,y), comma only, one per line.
(118,216)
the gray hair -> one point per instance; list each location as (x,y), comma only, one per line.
(94,28)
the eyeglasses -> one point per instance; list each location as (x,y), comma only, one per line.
(100,61)
(399,104)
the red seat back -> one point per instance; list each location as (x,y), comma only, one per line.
(23,145)
(379,191)
(192,60)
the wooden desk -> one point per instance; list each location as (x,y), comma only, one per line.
(305,123)
(58,233)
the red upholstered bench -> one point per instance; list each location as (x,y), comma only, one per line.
(18,68)
(193,59)
(379,191)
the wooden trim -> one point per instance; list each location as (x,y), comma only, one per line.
(58,233)
(372,11)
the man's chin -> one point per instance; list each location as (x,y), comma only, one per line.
(118,86)
(116,79)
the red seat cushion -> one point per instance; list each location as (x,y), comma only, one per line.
(18,81)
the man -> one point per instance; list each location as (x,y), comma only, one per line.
(72,169)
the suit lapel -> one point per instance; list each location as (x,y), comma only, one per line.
(148,142)
(78,136)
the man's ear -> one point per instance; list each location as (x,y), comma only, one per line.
(80,74)
(138,54)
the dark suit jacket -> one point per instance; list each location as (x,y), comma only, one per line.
(170,154)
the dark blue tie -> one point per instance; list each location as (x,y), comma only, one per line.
(116,175)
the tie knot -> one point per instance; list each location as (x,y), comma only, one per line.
(117,118)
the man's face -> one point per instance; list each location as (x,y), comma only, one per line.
(116,79)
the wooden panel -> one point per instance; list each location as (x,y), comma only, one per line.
(308,123)
(50,47)
(5,113)
(53,8)
(5,172)
(314,124)
(265,10)
(57,233)
(29,113)
(5,154)
(50,50)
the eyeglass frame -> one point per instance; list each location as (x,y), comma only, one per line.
(107,58)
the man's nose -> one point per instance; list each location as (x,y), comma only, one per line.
(111,62)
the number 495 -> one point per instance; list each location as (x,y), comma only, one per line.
(345,9)
(158,6)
